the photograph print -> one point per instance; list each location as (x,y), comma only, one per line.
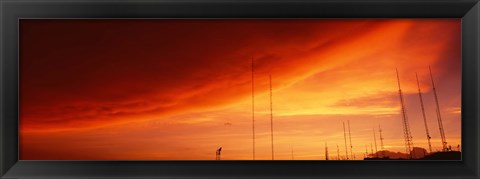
(240,89)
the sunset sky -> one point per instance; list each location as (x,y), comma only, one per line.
(179,89)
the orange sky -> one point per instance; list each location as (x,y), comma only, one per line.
(178,89)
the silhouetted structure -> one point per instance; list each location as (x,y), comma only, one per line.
(406,127)
(450,155)
(375,139)
(345,137)
(439,117)
(326,151)
(424,116)
(381,140)
(350,136)
(217,153)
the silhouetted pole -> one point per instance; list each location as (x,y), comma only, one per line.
(381,140)
(253,109)
(271,113)
(345,137)
(375,139)
(439,117)
(424,116)
(326,151)
(406,127)
(350,136)
(217,153)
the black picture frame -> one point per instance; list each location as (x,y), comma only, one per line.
(13,10)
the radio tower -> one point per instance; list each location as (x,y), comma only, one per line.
(439,118)
(406,127)
(253,110)
(350,136)
(271,114)
(345,137)
(424,116)
(375,139)
(381,141)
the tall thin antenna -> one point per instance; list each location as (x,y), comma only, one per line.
(326,151)
(423,113)
(253,109)
(271,113)
(350,136)
(439,118)
(406,127)
(375,139)
(381,140)
(345,137)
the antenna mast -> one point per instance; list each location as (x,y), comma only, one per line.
(406,127)
(381,140)
(271,113)
(253,110)
(345,137)
(424,116)
(350,136)
(326,151)
(439,118)
(375,139)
